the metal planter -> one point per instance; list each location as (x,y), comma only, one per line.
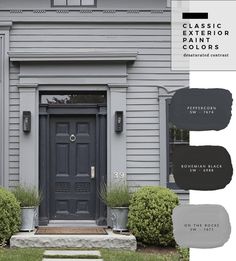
(119,217)
(27,218)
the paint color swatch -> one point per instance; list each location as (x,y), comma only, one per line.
(202,167)
(201,109)
(201,226)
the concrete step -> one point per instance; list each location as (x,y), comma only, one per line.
(109,241)
(71,253)
(70,259)
(72,223)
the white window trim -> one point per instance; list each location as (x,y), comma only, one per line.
(163,95)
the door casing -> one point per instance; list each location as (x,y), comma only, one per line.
(47,111)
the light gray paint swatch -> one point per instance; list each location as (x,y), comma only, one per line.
(201,226)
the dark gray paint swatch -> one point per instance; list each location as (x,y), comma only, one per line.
(202,167)
(201,226)
(201,109)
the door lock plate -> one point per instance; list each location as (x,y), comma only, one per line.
(93,173)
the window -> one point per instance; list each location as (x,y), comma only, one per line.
(175,137)
(62,98)
(74,3)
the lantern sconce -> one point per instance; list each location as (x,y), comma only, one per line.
(119,121)
(26,121)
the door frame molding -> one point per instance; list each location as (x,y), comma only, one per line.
(45,112)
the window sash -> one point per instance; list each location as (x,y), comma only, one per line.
(73,3)
(67,98)
(175,137)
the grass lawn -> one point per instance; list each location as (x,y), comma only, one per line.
(33,254)
(107,255)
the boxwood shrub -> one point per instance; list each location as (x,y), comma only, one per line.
(150,215)
(184,253)
(9,215)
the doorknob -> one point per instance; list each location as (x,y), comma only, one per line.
(72,138)
(93,173)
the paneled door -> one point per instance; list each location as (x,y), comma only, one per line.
(72,167)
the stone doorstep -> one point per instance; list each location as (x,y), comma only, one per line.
(70,259)
(109,241)
(69,253)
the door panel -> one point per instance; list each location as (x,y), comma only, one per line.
(72,154)
(62,159)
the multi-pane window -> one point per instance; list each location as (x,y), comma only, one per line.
(66,98)
(73,3)
(175,137)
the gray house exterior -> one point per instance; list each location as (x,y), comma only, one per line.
(97,59)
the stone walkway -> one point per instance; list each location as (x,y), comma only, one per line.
(71,255)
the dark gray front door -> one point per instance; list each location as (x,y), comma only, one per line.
(72,169)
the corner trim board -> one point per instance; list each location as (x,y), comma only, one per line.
(4,104)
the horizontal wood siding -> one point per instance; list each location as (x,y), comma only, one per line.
(183,197)
(143,147)
(14,126)
(104,4)
(152,68)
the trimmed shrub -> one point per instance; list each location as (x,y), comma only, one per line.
(150,215)
(183,253)
(9,215)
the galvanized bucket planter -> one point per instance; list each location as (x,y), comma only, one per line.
(119,217)
(27,218)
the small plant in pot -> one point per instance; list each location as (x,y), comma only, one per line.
(29,199)
(117,197)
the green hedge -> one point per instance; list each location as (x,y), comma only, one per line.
(184,253)
(9,215)
(150,215)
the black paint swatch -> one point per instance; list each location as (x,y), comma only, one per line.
(201,109)
(201,167)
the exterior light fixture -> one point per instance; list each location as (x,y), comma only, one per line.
(119,121)
(26,121)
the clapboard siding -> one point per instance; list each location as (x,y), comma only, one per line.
(152,68)
(143,145)
(135,185)
(100,4)
(97,38)
(14,125)
(183,197)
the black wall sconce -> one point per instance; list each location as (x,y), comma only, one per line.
(119,121)
(26,121)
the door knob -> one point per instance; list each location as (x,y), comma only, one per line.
(72,138)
